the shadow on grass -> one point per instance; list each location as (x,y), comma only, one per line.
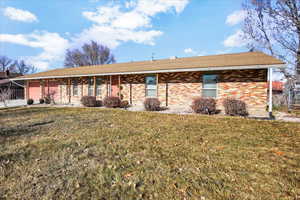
(6,132)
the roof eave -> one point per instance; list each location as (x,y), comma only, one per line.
(161,71)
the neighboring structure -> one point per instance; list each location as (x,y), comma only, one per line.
(16,87)
(279,98)
(174,81)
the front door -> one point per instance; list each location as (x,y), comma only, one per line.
(115,86)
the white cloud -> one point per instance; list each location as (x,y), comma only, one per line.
(193,52)
(112,26)
(236,17)
(19,15)
(116,25)
(235,40)
(130,4)
(189,51)
(113,37)
(52,44)
(153,7)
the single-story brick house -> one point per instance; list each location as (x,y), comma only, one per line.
(174,81)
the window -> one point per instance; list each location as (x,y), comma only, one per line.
(209,86)
(91,87)
(75,87)
(98,86)
(151,86)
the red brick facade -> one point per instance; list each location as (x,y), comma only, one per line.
(179,89)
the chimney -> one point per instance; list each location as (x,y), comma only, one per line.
(7,73)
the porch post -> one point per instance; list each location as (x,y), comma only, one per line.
(27,90)
(119,86)
(270,70)
(110,88)
(82,80)
(94,85)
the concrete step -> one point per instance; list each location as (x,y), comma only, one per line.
(296,106)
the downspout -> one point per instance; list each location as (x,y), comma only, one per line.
(270,70)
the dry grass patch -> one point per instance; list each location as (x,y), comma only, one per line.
(82,153)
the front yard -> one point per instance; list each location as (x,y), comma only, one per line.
(81,153)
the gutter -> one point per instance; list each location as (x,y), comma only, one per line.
(161,71)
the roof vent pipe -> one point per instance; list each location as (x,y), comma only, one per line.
(7,73)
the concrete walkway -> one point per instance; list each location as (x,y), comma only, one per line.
(286,117)
(14,103)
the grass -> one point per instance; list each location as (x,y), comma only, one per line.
(79,153)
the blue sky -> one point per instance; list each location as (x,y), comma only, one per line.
(40,31)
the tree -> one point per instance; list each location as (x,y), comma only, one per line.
(5,63)
(273,26)
(90,54)
(17,66)
(22,68)
(5,95)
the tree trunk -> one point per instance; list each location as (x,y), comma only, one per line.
(298,56)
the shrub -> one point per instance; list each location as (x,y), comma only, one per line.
(88,101)
(124,104)
(42,101)
(112,102)
(47,99)
(30,101)
(235,107)
(99,103)
(152,104)
(204,105)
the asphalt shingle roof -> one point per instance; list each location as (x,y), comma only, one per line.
(213,61)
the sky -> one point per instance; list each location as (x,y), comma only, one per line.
(40,32)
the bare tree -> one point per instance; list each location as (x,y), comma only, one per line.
(5,63)
(273,26)
(22,68)
(90,54)
(5,95)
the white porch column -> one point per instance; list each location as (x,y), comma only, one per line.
(270,71)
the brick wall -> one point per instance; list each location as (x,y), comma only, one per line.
(179,89)
(82,90)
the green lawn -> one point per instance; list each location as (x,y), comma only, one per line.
(78,153)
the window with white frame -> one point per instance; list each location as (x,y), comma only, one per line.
(98,86)
(91,87)
(209,88)
(75,87)
(151,88)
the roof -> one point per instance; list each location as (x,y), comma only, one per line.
(248,60)
(4,81)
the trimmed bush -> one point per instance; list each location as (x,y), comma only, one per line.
(88,101)
(99,103)
(204,105)
(112,102)
(30,101)
(124,104)
(42,101)
(47,99)
(152,104)
(235,107)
